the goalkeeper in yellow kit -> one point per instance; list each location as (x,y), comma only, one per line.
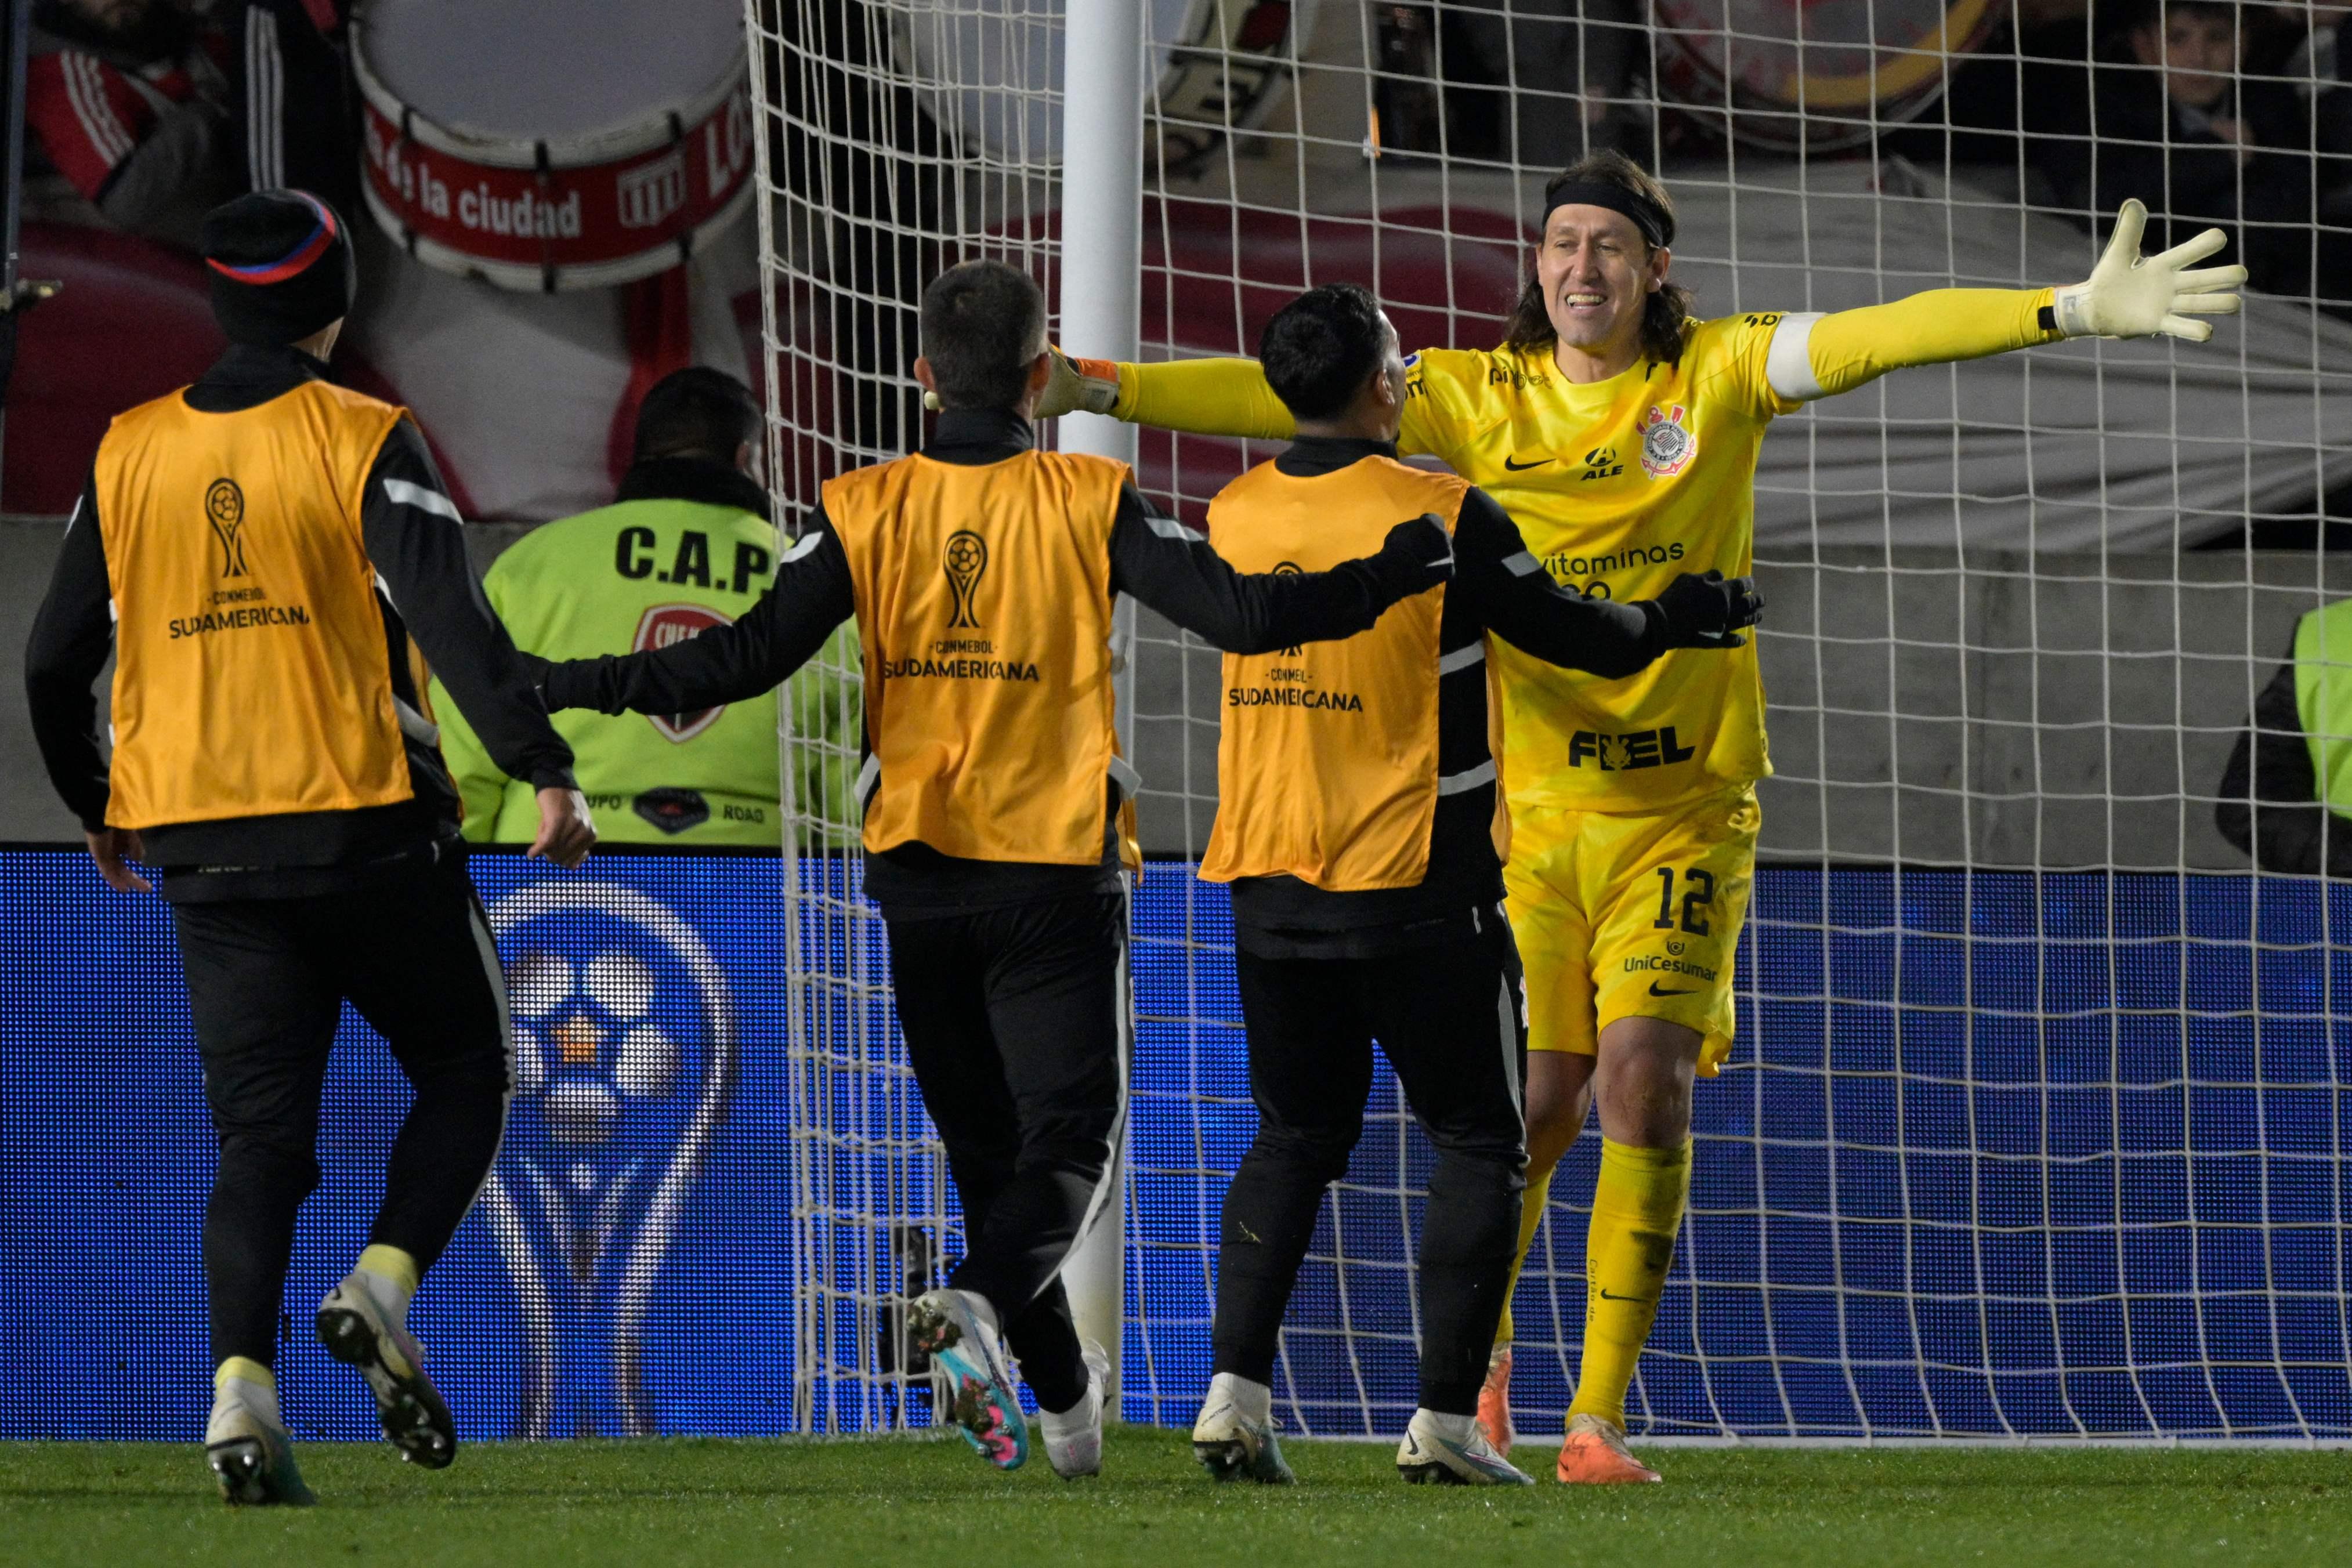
(1620,434)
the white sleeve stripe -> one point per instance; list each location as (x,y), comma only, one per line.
(265,100)
(86,90)
(94,84)
(1169,529)
(75,516)
(407,494)
(77,94)
(1462,658)
(1470,779)
(1788,363)
(804,547)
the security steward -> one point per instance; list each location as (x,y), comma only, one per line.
(1360,824)
(982,573)
(257,551)
(686,547)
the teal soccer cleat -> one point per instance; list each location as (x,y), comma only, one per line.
(951,1325)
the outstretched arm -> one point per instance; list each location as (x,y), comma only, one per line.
(415,541)
(1198,397)
(1517,601)
(811,596)
(1174,571)
(2126,296)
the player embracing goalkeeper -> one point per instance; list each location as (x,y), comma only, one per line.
(1619,433)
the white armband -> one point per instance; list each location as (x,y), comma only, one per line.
(1788,363)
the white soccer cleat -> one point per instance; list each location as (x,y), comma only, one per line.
(252,1458)
(360,1332)
(1450,1450)
(1233,1439)
(955,1328)
(1074,1439)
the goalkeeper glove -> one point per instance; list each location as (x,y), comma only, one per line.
(1076,386)
(2131,296)
(1707,611)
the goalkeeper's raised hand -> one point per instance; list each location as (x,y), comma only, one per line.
(1707,611)
(1075,386)
(2130,296)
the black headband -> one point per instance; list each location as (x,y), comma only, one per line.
(1656,225)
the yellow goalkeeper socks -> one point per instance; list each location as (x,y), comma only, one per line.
(1637,1208)
(1531,1212)
(241,1380)
(390,1276)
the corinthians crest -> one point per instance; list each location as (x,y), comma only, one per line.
(1667,444)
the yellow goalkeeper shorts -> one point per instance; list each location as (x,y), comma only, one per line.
(1624,914)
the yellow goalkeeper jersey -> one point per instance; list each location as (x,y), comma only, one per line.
(1617,486)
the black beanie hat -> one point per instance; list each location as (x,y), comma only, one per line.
(282,266)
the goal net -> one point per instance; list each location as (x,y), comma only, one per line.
(2037,1122)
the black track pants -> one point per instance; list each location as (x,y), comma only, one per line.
(266,980)
(1016,1024)
(1449,1017)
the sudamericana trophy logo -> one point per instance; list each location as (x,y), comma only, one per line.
(965,561)
(224,509)
(625,1046)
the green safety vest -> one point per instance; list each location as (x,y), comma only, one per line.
(2323,699)
(639,574)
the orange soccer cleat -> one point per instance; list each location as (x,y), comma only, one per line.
(1595,1455)
(1494,1401)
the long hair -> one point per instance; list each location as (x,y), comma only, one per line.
(1665,314)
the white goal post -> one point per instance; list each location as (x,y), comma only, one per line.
(2038,1121)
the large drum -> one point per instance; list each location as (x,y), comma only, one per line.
(1813,75)
(554,144)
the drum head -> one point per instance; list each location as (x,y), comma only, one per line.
(1814,73)
(549,144)
(549,70)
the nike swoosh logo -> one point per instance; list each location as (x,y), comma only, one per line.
(1522,467)
(1607,1297)
(1678,991)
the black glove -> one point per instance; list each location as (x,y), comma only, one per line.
(1707,611)
(1417,556)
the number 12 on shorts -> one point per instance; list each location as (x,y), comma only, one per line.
(1699,892)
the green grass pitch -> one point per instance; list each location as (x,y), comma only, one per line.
(94,1505)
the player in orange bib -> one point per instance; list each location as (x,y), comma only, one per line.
(1620,434)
